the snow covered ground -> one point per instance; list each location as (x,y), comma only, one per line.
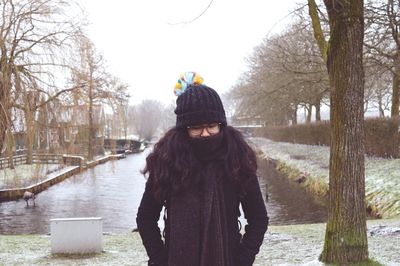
(283,245)
(26,174)
(382,176)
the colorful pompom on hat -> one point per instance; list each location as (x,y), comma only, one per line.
(186,79)
(196,103)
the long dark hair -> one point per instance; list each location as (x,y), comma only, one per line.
(172,165)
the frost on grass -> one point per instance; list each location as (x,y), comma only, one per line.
(382,176)
(26,174)
(121,249)
(283,245)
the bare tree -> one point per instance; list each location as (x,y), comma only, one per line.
(122,111)
(35,37)
(382,42)
(101,89)
(168,118)
(285,72)
(30,105)
(131,119)
(148,118)
(118,100)
(91,71)
(378,89)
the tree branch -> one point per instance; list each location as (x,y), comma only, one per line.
(194,19)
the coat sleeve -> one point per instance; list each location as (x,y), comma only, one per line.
(146,220)
(257,223)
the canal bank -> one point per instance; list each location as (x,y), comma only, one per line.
(308,166)
(111,190)
(57,176)
(287,202)
(283,245)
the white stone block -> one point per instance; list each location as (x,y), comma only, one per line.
(76,235)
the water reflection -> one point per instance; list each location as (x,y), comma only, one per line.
(287,202)
(113,191)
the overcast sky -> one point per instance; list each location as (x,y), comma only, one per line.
(146,45)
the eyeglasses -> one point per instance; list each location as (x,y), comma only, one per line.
(197,131)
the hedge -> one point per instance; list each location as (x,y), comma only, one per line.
(381,135)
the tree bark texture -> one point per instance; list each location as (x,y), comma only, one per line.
(380,106)
(10,151)
(91,136)
(5,101)
(294,115)
(318,110)
(3,116)
(309,113)
(396,87)
(30,134)
(317,29)
(346,236)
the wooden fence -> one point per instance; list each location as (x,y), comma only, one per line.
(17,193)
(47,158)
(36,158)
(19,159)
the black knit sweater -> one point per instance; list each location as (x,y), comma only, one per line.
(243,249)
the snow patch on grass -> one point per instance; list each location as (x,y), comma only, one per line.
(283,245)
(26,174)
(382,176)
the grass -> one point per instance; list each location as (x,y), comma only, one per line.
(25,174)
(382,177)
(283,245)
(367,263)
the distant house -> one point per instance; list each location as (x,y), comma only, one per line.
(72,124)
(18,129)
(62,128)
(115,126)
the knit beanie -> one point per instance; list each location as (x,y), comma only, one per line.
(196,103)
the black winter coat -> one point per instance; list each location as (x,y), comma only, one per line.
(243,249)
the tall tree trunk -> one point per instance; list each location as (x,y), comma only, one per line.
(309,113)
(366,103)
(317,29)
(30,134)
(41,127)
(91,126)
(5,101)
(346,235)
(294,115)
(4,118)
(10,149)
(318,110)
(396,87)
(380,105)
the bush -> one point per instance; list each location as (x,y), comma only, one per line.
(382,137)
(311,134)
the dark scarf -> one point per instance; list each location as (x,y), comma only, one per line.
(197,219)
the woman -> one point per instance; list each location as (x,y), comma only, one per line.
(201,170)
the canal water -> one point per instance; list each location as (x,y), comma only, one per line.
(113,191)
(287,202)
